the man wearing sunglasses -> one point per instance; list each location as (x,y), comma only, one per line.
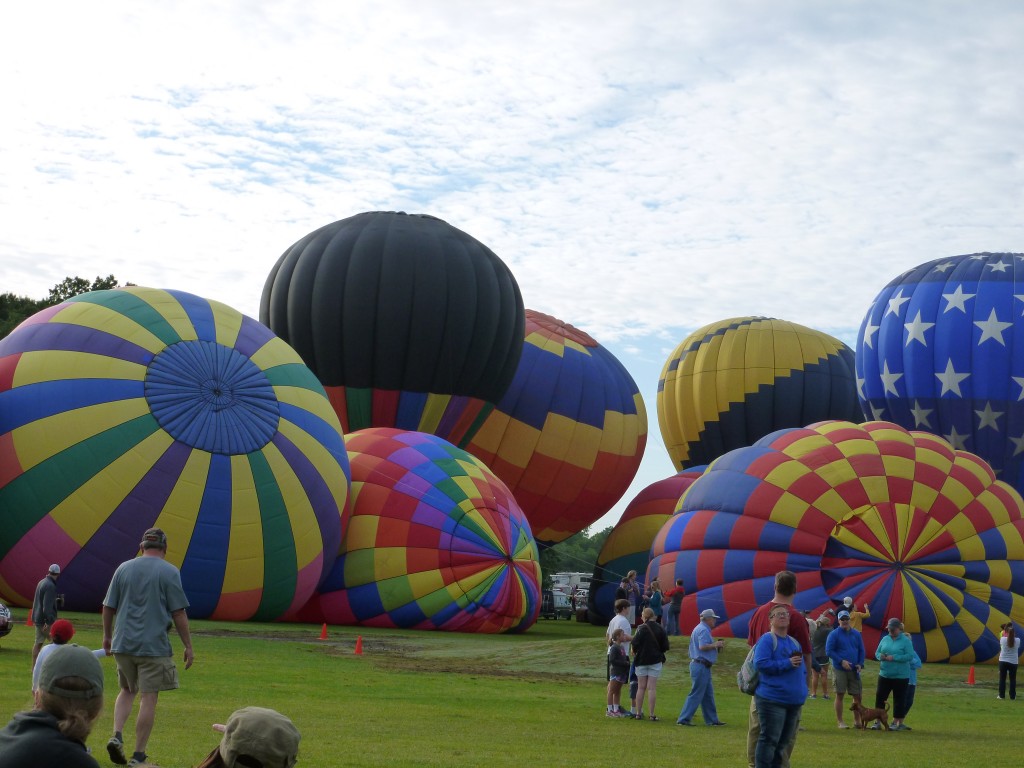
(845,648)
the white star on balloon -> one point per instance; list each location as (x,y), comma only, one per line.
(877,413)
(992,328)
(1019,297)
(1020,383)
(921,415)
(896,303)
(956,299)
(916,328)
(987,417)
(951,379)
(889,378)
(957,440)
(1018,443)
(860,388)
(943,267)
(999,266)
(869,331)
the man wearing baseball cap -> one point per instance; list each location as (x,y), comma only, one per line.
(255,736)
(44,608)
(845,649)
(67,703)
(145,594)
(61,633)
(703,655)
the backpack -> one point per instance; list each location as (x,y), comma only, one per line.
(748,677)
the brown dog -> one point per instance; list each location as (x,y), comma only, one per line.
(863,715)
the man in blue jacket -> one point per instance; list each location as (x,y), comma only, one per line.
(845,648)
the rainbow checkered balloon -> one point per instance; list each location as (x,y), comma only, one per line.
(127,409)
(898,520)
(434,541)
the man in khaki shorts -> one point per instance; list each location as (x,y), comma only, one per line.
(845,649)
(144,596)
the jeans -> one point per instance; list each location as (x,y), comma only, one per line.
(702,694)
(1007,669)
(778,727)
(673,623)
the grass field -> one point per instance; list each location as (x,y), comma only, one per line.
(536,699)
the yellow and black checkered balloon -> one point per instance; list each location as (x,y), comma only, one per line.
(732,382)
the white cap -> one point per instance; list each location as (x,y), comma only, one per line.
(55,569)
(707,613)
(847,601)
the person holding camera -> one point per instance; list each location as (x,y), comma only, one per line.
(44,609)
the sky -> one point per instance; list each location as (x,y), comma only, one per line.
(643,169)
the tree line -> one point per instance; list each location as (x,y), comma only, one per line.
(14,309)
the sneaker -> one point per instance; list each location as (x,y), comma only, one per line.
(843,725)
(999,697)
(718,723)
(875,726)
(905,727)
(812,696)
(610,713)
(143,762)
(115,748)
(683,722)
(825,697)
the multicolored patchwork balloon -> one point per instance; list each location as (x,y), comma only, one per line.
(568,436)
(732,382)
(126,409)
(434,541)
(898,520)
(942,350)
(628,546)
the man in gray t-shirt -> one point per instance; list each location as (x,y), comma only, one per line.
(145,596)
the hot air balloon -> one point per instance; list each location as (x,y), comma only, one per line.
(126,409)
(407,321)
(568,436)
(435,541)
(628,546)
(942,350)
(899,520)
(734,381)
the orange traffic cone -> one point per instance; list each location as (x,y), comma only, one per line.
(359,645)
(323,632)
(970,676)
(28,620)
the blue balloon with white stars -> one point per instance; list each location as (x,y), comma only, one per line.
(942,350)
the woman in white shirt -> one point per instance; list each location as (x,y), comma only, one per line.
(1009,653)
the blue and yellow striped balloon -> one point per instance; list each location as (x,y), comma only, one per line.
(126,409)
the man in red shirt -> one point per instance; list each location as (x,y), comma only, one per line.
(785,591)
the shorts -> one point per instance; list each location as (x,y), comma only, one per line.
(649,670)
(847,681)
(42,633)
(620,677)
(146,674)
(819,665)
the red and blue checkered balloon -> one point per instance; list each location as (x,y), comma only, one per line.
(898,520)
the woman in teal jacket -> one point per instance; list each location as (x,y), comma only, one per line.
(895,652)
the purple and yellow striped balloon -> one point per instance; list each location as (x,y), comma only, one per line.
(126,409)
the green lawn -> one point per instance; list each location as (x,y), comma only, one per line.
(536,699)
